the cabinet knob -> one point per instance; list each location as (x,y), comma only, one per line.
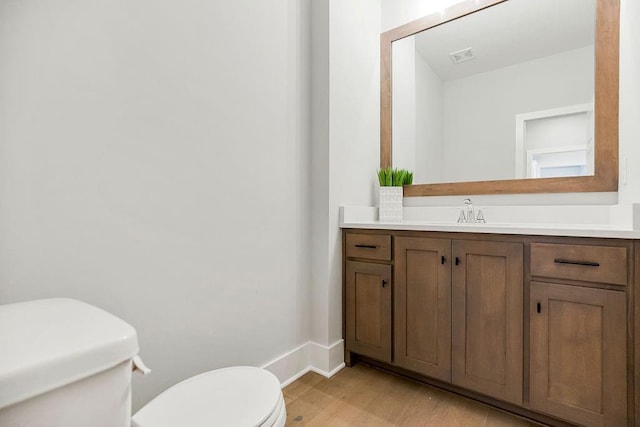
(384,283)
(442,259)
(457,261)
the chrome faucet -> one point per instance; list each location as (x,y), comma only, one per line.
(468,215)
(471,216)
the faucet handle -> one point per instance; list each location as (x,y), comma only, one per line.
(480,217)
(462,217)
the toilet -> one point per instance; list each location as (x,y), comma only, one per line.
(66,363)
(241,395)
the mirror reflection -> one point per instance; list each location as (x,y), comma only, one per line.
(504,93)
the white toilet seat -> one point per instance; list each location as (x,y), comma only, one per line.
(240,396)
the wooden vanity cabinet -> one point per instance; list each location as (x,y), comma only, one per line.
(578,354)
(422,306)
(368,287)
(487,297)
(539,326)
(458,312)
(578,334)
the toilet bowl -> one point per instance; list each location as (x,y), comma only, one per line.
(67,363)
(236,396)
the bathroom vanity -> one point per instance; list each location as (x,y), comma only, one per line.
(541,325)
(540,319)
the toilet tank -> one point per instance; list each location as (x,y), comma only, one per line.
(64,363)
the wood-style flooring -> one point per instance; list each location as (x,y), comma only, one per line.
(364,396)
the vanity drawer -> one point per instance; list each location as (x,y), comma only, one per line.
(601,264)
(369,246)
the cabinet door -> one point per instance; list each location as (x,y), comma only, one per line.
(422,306)
(368,309)
(578,354)
(487,283)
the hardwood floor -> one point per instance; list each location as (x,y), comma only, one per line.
(362,395)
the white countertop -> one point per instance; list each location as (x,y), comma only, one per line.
(590,221)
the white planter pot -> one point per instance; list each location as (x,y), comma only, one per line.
(390,204)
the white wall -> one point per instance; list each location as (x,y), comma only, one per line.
(353,139)
(154,161)
(320,214)
(546,132)
(417,113)
(429,151)
(399,12)
(480,110)
(403,108)
(629,101)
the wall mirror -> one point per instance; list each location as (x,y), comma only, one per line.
(504,96)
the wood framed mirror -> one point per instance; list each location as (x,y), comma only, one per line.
(602,173)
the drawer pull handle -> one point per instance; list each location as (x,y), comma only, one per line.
(539,308)
(585,263)
(442,259)
(457,261)
(366,246)
(384,283)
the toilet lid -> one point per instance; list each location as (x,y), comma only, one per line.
(236,396)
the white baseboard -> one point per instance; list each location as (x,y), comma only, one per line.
(325,373)
(311,356)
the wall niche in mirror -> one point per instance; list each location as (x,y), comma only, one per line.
(504,93)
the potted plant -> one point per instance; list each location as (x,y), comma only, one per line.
(391,193)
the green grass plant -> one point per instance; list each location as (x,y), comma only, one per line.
(388,177)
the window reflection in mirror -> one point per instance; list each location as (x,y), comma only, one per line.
(500,94)
(555,143)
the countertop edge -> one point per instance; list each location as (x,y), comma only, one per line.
(524,229)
